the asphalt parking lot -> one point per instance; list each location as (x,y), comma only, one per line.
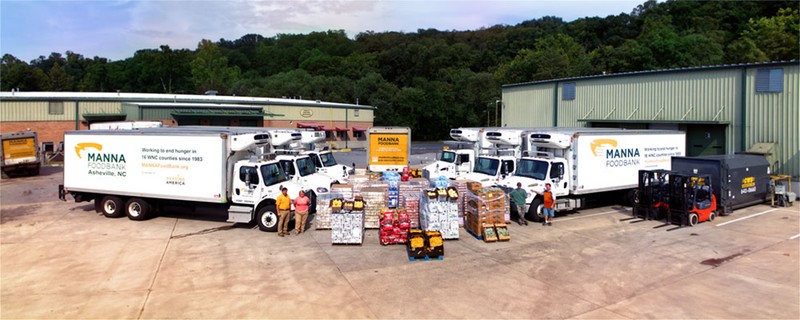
(63,260)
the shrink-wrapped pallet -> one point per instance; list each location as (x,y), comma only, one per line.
(394,226)
(374,202)
(347,227)
(322,218)
(359,182)
(345,190)
(461,187)
(411,204)
(438,212)
(485,206)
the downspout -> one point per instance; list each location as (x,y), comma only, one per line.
(77,115)
(555,105)
(743,102)
(347,135)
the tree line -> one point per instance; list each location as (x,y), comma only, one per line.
(431,80)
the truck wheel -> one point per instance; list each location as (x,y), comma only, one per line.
(267,218)
(693,219)
(111,207)
(35,171)
(535,211)
(137,209)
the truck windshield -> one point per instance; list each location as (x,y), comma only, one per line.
(487,166)
(530,168)
(272,174)
(327,159)
(448,156)
(305,166)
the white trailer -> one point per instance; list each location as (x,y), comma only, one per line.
(137,172)
(582,164)
(125,125)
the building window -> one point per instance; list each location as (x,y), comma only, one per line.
(56,107)
(355,113)
(358,134)
(769,80)
(341,134)
(568,91)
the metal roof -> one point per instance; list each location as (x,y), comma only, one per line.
(175,98)
(649,72)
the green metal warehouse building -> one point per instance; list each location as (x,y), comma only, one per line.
(723,109)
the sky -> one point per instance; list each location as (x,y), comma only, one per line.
(116,29)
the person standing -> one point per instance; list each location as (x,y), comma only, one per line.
(284,204)
(301,204)
(519,195)
(548,204)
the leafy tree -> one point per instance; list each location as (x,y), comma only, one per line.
(776,37)
(210,69)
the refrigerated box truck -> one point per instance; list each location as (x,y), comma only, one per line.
(583,164)
(388,149)
(134,172)
(20,154)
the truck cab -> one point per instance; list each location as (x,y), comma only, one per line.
(458,156)
(450,164)
(533,173)
(323,159)
(253,182)
(489,170)
(326,164)
(301,169)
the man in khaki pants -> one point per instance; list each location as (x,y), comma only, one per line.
(284,204)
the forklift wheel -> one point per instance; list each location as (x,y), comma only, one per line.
(693,219)
(712,216)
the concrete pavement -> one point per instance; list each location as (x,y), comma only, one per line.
(63,260)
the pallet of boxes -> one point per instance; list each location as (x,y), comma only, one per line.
(485,213)
(347,221)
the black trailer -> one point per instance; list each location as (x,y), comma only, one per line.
(738,180)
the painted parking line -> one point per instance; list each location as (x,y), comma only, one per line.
(795,236)
(746,217)
(586,216)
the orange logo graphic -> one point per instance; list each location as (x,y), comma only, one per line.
(598,145)
(83,145)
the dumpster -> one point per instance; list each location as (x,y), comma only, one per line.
(738,180)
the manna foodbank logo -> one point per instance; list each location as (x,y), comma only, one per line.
(615,157)
(97,160)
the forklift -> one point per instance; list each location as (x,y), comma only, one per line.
(651,200)
(691,199)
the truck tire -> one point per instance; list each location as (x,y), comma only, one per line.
(35,171)
(535,211)
(111,207)
(137,209)
(267,218)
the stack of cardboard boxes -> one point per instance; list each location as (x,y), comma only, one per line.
(375,201)
(485,207)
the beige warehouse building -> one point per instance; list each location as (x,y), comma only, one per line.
(50,114)
(723,109)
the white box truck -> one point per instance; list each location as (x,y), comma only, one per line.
(499,161)
(137,172)
(582,164)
